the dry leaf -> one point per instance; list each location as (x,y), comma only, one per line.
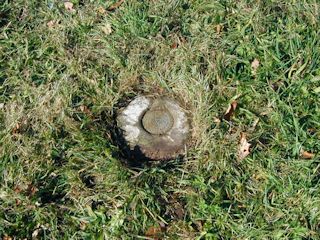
(69,6)
(84,109)
(17,189)
(51,24)
(153,232)
(230,111)
(35,233)
(162,226)
(306,155)
(101,10)
(219,28)
(83,225)
(216,120)
(255,64)
(244,147)
(20,127)
(178,210)
(312,131)
(174,45)
(107,29)
(32,190)
(116,5)
(16,129)
(18,202)
(6,237)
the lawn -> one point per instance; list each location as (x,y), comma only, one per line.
(67,67)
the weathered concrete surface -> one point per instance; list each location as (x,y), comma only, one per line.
(159,127)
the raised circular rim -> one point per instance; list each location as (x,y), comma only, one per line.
(157,121)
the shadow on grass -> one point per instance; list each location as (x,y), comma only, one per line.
(133,158)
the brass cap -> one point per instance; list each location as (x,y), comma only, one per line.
(157,121)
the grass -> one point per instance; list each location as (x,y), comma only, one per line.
(62,75)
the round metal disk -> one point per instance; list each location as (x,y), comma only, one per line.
(157,121)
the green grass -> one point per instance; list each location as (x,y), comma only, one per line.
(60,174)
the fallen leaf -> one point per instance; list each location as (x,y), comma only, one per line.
(107,29)
(153,232)
(230,111)
(174,45)
(69,6)
(83,225)
(219,28)
(255,64)
(306,155)
(20,127)
(179,210)
(6,237)
(32,190)
(162,226)
(35,233)
(83,108)
(17,189)
(115,5)
(16,129)
(51,24)
(101,10)
(244,147)
(312,131)
(216,120)
(18,202)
